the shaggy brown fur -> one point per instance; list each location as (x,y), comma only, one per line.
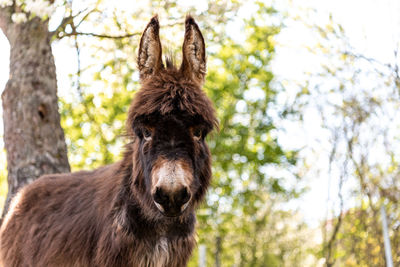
(108,217)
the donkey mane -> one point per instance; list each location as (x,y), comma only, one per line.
(139,211)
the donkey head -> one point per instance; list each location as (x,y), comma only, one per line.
(169,119)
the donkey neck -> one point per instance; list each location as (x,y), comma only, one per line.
(142,227)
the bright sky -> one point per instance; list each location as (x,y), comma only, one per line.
(373,28)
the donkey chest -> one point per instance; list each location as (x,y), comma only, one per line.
(159,255)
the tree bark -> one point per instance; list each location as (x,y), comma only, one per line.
(33,137)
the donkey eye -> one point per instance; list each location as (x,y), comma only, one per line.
(197,133)
(146,134)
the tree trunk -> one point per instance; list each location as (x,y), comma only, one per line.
(218,249)
(33,137)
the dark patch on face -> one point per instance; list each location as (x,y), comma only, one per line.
(172,139)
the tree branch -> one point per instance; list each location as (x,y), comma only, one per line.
(5,18)
(68,20)
(76,33)
(330,261)
(84,17)
(61,28)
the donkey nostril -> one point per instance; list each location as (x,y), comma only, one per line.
(160,197)
(183,196)
(171,203)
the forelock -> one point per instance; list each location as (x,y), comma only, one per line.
(169,93)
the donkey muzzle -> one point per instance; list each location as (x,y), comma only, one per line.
(171,192)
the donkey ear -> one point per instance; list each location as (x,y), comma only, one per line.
(194,52)
(149,58)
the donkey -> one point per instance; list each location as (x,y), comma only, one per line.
(139,211)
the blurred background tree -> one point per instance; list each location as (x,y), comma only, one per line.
(358,98)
